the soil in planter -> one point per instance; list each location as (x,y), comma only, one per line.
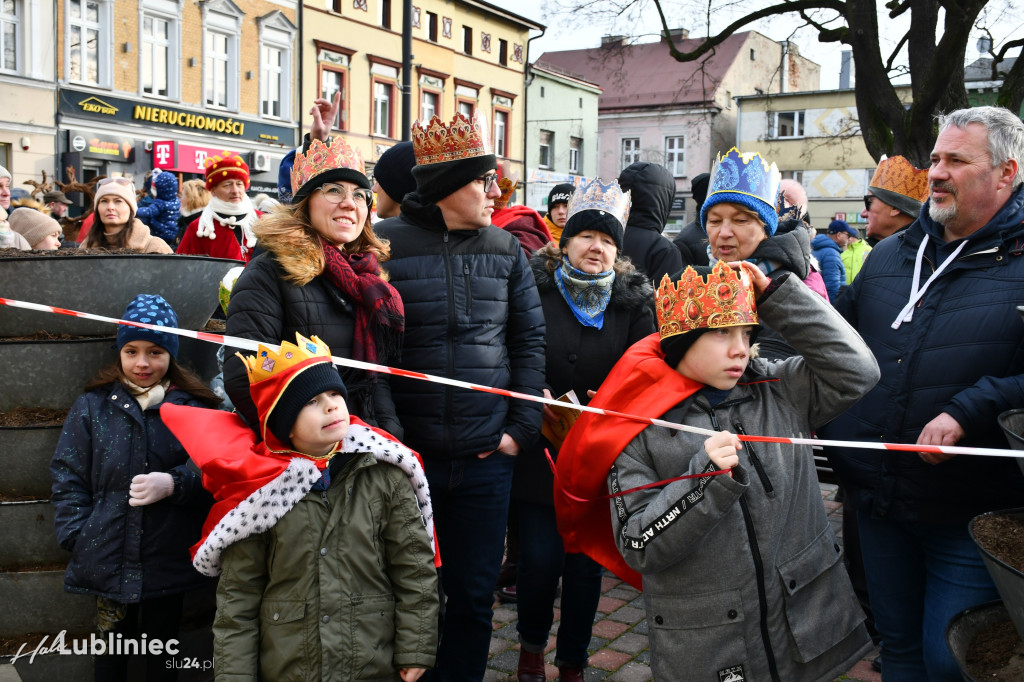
(1003,537)
(48,336)
(997,654)
(32,416)
(71,253)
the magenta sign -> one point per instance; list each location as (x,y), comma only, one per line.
(185,158)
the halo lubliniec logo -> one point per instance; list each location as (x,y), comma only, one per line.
(97,645)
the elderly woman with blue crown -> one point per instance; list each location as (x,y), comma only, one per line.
(596,305)
(320,274)
(741,219)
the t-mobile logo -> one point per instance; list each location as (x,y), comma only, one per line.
(162,151)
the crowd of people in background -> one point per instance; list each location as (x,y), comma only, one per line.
(418,501)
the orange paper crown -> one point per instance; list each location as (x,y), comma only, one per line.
(439,143)
(322,158)
(225,166)
(508,180)
(898,175)
(724,299)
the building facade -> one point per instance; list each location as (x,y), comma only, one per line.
(562,140)
(27,75)
(814,138)
(469,56)
(679,114)
(146,84)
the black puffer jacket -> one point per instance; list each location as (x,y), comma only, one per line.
(692,243)
(264,307)
(577,357)
(118,551)
(653,189)
(471,313)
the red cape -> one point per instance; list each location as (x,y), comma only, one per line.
(641,383)
(525,224)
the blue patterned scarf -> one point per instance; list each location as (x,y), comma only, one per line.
(586,294)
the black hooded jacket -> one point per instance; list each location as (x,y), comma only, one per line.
(653,189)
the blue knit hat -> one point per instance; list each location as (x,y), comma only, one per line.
(152,309)
(745,179)
(284,178)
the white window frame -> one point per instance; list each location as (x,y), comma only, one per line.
(575,152)
(383,116)
(546,149)
(629,149)
(277,33)
(799,124)
(169,11)
(104,44)
(675,157)
(14,21)
(433,110)
(500,132)
(223,18)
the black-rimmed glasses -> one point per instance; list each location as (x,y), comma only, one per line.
(488,181)
(335,194)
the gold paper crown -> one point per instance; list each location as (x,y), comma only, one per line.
(462,139)
(724,299)
(508,180)
(594,195)
(322,158)
(267,363)
(897,174)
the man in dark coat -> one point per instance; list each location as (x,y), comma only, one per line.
(472,313)
(894,199)
(951,351)
(652,189)
(692,241)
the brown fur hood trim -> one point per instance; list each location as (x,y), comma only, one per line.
(295,248)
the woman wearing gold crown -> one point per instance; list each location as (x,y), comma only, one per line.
(741,573)
(319,274)
(596,305)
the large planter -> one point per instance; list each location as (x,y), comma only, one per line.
(103,285)
(25,453)
(966,626)
(35,601)
(1009,581)
(1012,424)
(27,536)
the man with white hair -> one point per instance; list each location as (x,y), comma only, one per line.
(937,306)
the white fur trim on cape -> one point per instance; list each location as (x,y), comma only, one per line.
(216,211)
(263,508)
(257,513)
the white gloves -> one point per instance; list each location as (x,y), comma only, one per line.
(150,488)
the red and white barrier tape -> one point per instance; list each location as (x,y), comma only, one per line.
(248,344)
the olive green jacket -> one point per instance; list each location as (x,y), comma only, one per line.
(343,587)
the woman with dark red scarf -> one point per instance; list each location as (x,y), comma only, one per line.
(320,274)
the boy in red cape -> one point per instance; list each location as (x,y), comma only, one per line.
(327,554)
(741,571)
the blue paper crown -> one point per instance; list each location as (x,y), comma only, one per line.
(594,195)
(746,173)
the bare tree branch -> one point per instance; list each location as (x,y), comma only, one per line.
(896,51)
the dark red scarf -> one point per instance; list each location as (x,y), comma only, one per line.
(380,314)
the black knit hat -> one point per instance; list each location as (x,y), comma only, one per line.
(393,171)
(305,385)
(560,194)
(601,221)
(435,181)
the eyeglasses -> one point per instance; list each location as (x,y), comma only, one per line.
(335,194)
(119,180)
(868,198)
(488,181)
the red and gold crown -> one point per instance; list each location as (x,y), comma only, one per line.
(897,174)
(508,180)
(321,158)
(269,363)
(224,166)
(439,143)
(724,299)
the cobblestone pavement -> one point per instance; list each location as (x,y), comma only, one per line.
(619,649)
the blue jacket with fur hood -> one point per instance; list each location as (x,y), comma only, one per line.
(162,213)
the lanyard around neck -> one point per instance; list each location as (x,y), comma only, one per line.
(916,291)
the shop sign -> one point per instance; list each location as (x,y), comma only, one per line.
(186,158)
(104,147)
(90,105)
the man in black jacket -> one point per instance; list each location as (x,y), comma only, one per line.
(472,313)
(652,189)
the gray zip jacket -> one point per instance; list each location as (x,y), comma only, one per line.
(743,577)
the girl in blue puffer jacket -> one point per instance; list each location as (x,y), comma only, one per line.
(127,508)
(162,212)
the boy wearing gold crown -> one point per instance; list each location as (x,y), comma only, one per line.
(740,569)
(324,552)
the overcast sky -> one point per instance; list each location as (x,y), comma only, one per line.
(573,31)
